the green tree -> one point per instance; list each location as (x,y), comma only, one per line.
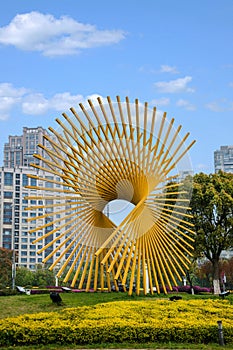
(212,208)
(24,277)
(41,277)
(5,267)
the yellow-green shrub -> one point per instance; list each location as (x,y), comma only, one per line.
(193,321)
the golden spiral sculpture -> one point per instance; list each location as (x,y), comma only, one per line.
(111,151)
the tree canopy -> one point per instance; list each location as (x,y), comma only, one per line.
(5,267)
(212,209)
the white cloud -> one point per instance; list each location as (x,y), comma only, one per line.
(35,103)
(9,98)
(63,101)
(174,86)
(186,105)
(168,69)
(35,31)
(214,107)
(163,69)
(221,105)
(164,101)
(3,116)
(6,89)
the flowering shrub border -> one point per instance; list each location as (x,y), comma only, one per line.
(178,289)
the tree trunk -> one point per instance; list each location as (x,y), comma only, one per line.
(216,285)
(216,277)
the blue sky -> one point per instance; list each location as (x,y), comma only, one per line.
(176,55)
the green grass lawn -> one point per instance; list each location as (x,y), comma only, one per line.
(22,304)
(154,346)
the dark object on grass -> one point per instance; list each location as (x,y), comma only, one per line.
(56,298)
(224,294)
(123,287)
(175,297)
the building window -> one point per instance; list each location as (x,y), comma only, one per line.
(7,221)
(47,183)
(25,180)
(7,206)
(33,182)
(8,179)
(8,194)
(6,232)
(6,245)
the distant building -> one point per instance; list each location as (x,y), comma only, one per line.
(183,174)
(19,150)
(223,159)
(14,223)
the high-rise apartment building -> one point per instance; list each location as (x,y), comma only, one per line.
(20,149)
(15,220)
(223,159)
(14,225)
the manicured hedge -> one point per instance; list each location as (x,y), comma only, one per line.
(192,321)
(45,291)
